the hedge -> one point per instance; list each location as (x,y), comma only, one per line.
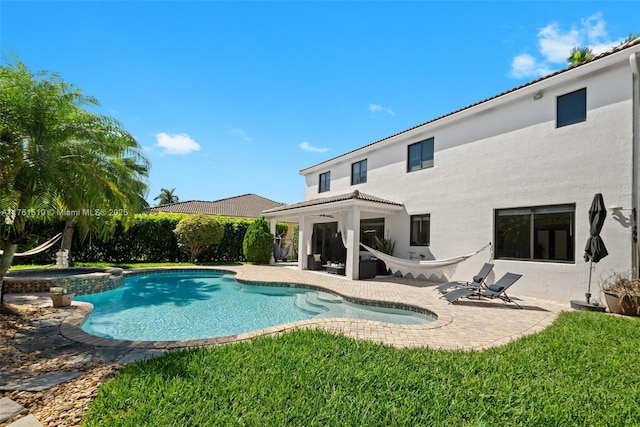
(149,239)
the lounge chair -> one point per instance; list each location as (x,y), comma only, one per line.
(497,290)
(476,283)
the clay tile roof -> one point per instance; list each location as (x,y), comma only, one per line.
(245,206)
(332,199)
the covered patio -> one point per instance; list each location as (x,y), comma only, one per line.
(345,211)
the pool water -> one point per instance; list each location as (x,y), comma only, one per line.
(182,305)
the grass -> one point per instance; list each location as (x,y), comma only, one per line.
(582,371)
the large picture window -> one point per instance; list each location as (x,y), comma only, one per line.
(420,155)
(420,234)
(571,108)
(359,172)
(543,233)
(325,181)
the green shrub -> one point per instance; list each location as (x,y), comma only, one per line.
(258,242)
(196,233)
(149,240)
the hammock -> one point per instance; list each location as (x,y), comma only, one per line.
(438,270)
(281,253)
(43,247)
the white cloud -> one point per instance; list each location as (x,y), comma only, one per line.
(240,133)
(525,65)
(595,27)
(305,146)
(374,108)
(177,144)
(555,45)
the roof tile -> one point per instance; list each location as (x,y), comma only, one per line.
(245,206)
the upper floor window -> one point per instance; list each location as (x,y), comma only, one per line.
(420,155)
(544,233)
(325,180)
(420,234)
(571,108)
(359,172)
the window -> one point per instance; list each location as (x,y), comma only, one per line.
(370,229)
(571,108)
(325,179)
(359,172)
(327,242)
(420,155)
(420,230)
(542,233)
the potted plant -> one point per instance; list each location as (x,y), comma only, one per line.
(622,293)
(60,297)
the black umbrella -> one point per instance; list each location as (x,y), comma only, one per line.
(595,249)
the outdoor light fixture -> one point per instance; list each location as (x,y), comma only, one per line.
(537,95)
(614,210)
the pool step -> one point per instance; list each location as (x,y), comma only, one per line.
(303,304)
(324,296)
(313,303)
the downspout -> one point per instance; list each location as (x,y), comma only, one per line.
(634,62)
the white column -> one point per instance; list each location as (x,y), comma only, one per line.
(305,228)
(352,267)
(272,230)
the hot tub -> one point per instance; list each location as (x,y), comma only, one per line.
(78,280)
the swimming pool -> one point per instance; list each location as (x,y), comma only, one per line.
(186,305)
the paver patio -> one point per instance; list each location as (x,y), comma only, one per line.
(463,325)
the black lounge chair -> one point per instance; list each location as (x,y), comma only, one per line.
(475,284)
(497,290)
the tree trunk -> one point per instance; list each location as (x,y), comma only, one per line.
(67,237)
(5,263)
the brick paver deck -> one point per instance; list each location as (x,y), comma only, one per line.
(463,325)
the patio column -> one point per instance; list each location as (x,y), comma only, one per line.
(272,230)
(352,267)
(305,229)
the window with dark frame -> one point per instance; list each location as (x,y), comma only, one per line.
(420,234)
(544,233)
(571,108)
(359,172)
(325,181)
(420,155)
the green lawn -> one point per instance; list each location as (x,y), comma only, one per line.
(582,371)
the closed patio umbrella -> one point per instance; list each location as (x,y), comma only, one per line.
(595,249)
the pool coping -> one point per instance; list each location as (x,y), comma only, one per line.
(71,326)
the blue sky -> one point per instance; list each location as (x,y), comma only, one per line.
(228,98)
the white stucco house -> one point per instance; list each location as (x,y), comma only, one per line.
(518,170)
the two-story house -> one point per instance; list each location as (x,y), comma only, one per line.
(518,170)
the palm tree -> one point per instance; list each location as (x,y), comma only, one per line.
(579,55)
(630,37)
(55,156)
(106,185)
(166,197)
